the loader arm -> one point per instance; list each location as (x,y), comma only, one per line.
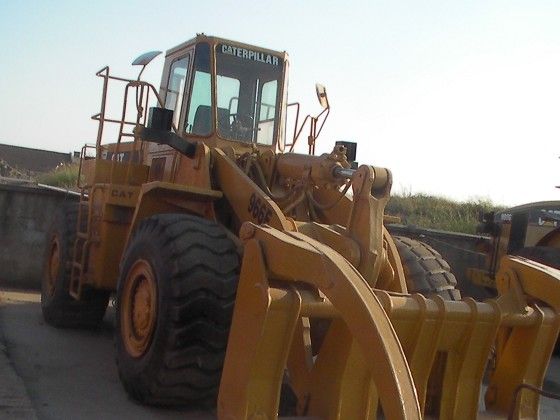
(361,236)
(248,201)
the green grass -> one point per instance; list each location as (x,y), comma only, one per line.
(433,212)
(65,176)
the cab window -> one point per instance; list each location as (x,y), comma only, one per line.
(199,115)
(248,94)
(176,87)
(228,99)
(267,112)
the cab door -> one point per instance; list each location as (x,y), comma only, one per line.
(175,80)
(174,83)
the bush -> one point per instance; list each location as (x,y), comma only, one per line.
(433,212)
(64,176)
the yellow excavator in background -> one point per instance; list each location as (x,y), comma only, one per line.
(245,272)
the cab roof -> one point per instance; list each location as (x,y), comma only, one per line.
(216,40)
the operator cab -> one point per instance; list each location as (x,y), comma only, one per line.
(226,93)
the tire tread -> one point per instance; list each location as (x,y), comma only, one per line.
(425,270)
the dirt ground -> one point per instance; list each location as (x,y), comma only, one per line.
(71,374)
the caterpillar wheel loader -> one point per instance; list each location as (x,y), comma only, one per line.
(246,274)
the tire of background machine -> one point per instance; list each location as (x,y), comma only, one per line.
(196,270)
(546,255)
(425,270)
(58,307)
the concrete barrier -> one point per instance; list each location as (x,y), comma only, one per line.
(26,215)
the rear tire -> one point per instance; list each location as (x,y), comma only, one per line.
(425,270)
(58,307)
(175,301)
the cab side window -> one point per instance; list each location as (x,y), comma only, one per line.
(176,87)
(267,113)
(228,99)
(199,115)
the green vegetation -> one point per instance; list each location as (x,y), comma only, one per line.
(64,176)
(432,212)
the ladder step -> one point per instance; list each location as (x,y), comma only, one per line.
(82,235)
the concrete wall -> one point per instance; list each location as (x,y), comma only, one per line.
(456,248)
(26,214)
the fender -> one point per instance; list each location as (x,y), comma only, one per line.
(164,197)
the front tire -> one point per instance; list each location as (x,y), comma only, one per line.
(175,300)
(425,270)
(58,307)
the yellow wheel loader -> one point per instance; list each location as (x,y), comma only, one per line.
(246,274)
(530,230)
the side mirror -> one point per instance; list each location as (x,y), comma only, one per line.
(322,95)
(144,60)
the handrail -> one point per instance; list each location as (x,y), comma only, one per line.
(313,131)
(142,98)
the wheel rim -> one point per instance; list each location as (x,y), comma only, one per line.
(54,266)
(138,308)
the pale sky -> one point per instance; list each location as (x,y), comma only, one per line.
(458,99)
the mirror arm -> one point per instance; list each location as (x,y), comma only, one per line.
(141,71)
(296,104)
(296,122)
(314,132)
(326,111)
(152,135)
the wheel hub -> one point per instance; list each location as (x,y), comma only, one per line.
(138,308)
(141,308)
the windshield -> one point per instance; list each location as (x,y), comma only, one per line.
(248,92)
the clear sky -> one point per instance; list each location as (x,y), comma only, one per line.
(457,98)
